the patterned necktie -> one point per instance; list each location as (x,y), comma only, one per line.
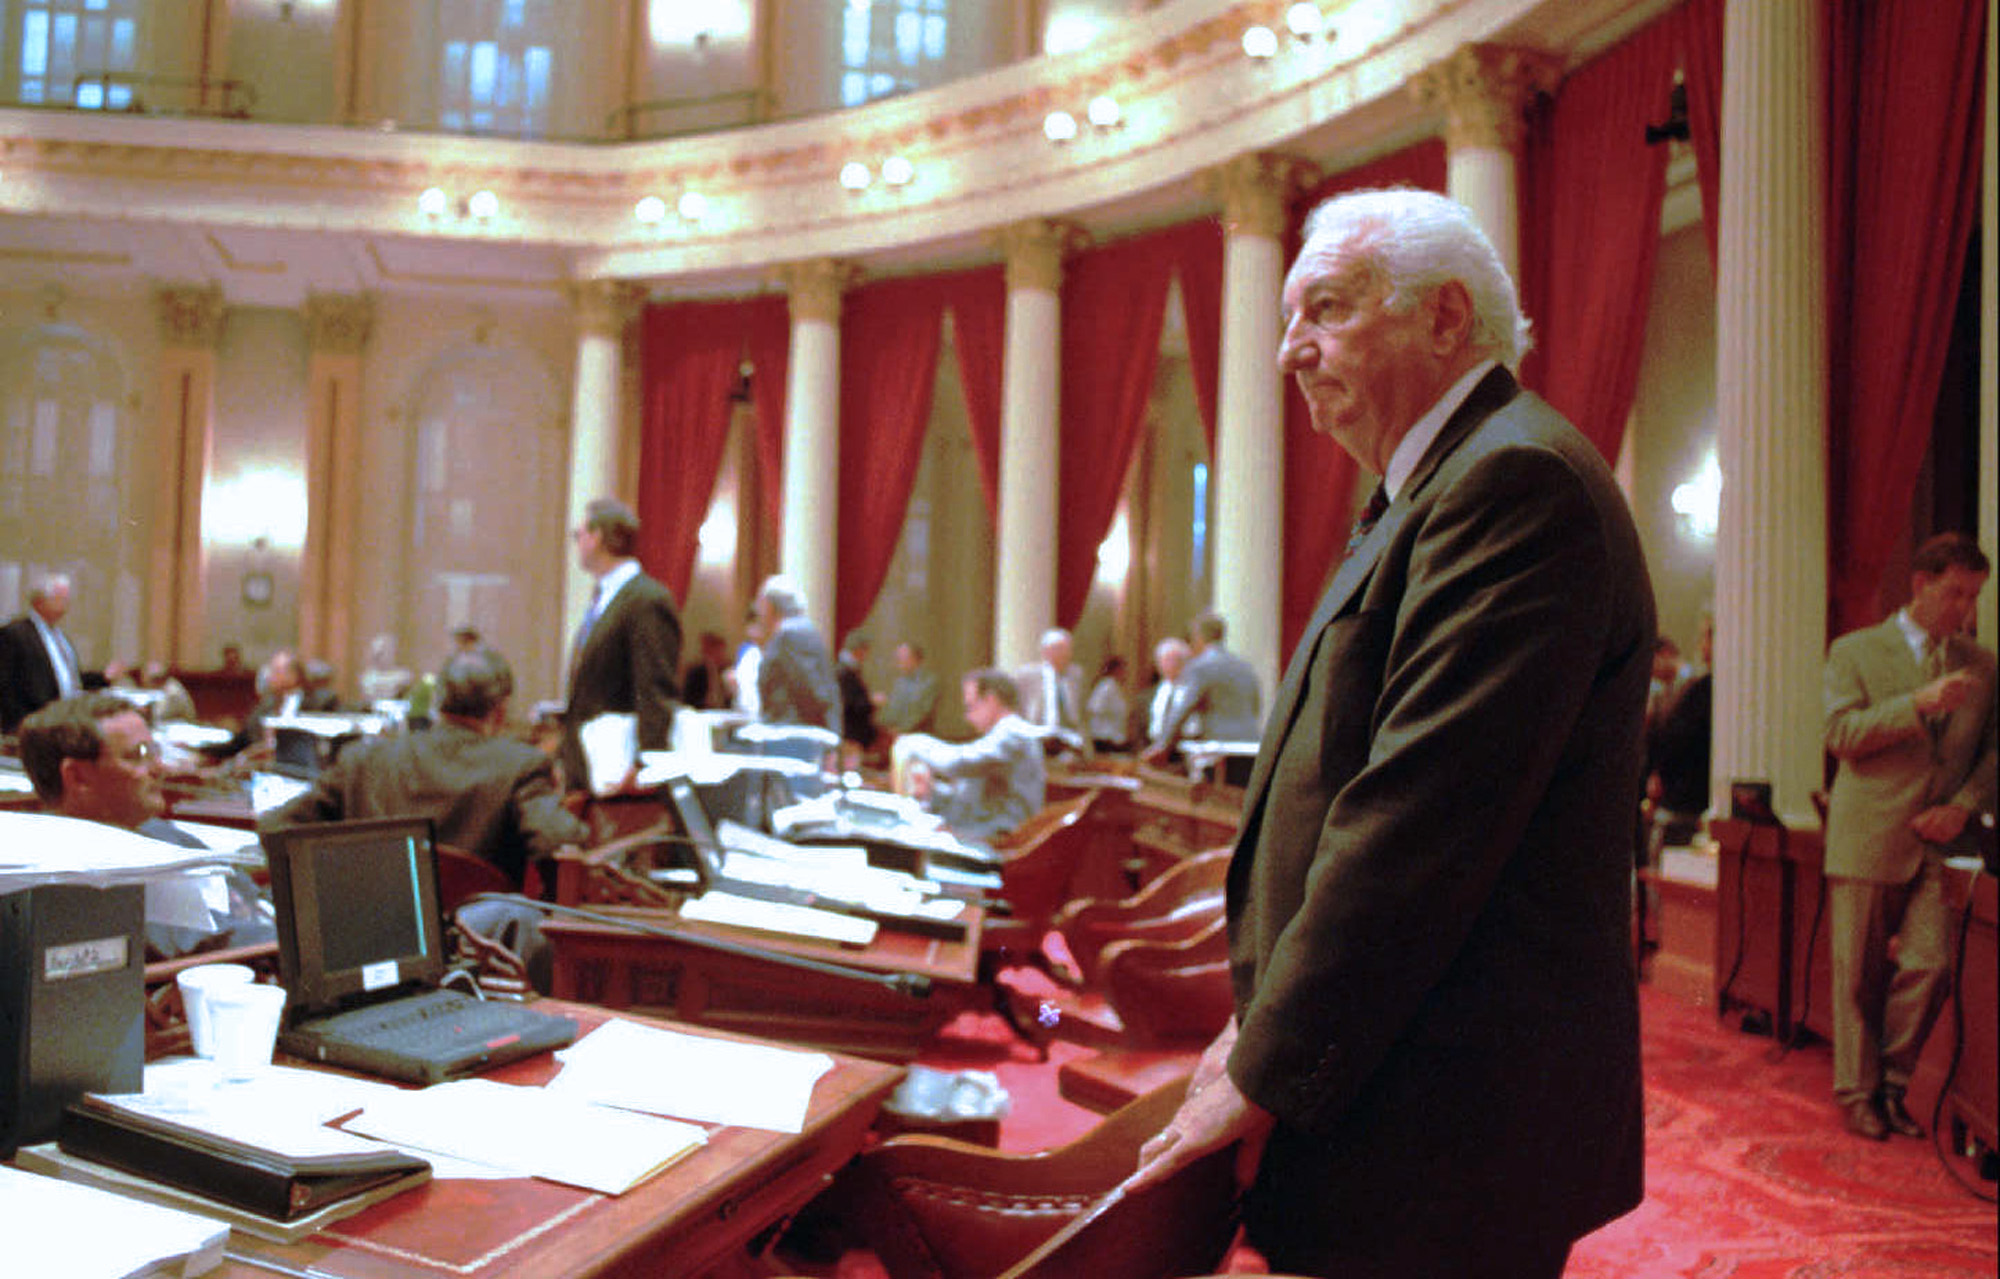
(1378,502)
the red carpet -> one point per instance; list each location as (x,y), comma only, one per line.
(1749,1174)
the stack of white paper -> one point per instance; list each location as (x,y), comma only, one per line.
(717,1081)
(60,1228)
(534,1132)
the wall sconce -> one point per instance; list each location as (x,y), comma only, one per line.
(1103,113)
(897,171)
(436,205)
(1304,23)
(651,210)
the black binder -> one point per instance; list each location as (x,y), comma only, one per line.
(249,1177)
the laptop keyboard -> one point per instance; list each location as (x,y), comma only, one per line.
(440,1017)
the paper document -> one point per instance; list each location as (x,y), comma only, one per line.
(42,848)
(708,768)
(610,747)
(781,918)
(534,1131)
(60,1228)
(716,1081)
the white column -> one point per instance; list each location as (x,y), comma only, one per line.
(1024,563)
(1250,409)
(809,550)
(602,309)
(337,329)
(1771,400)
(191,318)
(1484,91)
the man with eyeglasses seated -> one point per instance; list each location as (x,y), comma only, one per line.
(93,757)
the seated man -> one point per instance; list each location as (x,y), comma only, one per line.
(485,794)
(988,787)
(93,757)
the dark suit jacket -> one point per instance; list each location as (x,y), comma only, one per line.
(493,797)
(628,665)
(27,677)
(1429,903)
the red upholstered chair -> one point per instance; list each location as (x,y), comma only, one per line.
(935,1208)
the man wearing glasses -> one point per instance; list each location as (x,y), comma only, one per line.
(93,757)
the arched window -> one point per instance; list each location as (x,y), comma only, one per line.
(495,66)
(70,52)
(70,496)
(486,515)
(890,46)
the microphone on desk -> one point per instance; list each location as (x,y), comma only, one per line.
(914,985)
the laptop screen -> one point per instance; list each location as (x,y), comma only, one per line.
(357,909)
(706,847)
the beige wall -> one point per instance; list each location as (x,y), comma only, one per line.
(1673,428)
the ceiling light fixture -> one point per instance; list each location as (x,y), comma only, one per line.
(482,205)
(651,210)
(1059,126)
(1260,42)
(692,206)
(1103,112)
(855,176)
(433,203)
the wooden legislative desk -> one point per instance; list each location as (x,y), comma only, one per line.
(1768,955)
(1156,825)
(701,1211)
(617,968)
(1974,1092)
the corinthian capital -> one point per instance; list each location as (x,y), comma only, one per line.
(604,307)
(190,314)
(1484,91)
(1257,191)
(1035,251)
(814,287)
(339,323)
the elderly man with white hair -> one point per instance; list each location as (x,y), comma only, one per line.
(1433,1066)
(37,661)
(796,683)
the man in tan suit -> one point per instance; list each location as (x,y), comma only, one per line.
(1909,715)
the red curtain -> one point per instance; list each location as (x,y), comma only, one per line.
(1592,233)
(1904,129)
(769,338)
(889,334)
(1113,305)
(1198,258)
(689,357)
(1319,474)
(1701,71)
(978,302)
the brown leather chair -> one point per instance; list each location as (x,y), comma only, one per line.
(1174,907)
(936,1208)
(1039,860)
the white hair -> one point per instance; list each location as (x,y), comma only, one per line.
(1420,240)
(784,596)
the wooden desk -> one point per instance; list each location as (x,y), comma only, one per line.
(1766,899)
(699,1212)
(617,968)
(1971,1102)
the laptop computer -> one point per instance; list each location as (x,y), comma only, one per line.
(718,865)
(361,952)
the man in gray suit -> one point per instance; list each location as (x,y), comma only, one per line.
(796,683)
(1216,685)
(987,787)
(1434,1059)
(1909,715)
(1052,688)
(487,794)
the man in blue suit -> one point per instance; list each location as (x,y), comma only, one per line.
(1434,1059)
